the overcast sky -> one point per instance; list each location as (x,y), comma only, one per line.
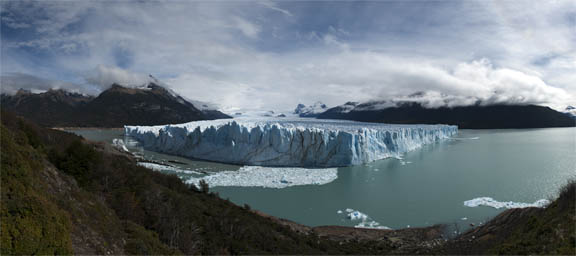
(273,55)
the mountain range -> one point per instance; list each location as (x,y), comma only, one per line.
(476,116)
(150,104)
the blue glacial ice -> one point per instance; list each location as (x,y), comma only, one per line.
(288,142)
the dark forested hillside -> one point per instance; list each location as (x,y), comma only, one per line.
(115,107)
(467,117)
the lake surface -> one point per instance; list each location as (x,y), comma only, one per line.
(428,186)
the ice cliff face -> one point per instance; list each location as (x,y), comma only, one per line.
(296,143)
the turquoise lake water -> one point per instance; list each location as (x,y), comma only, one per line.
(428,186)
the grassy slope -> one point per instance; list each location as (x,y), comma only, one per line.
(551,231)
(45,212)
(548,231)
(32,222)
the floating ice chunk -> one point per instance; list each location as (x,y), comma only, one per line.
(288,142)
(159,167)
(339,212)
(469,138)
(464,218)
(370,224)
(268,177)
(119,144)
(356,215)
(365,220)
(488,201)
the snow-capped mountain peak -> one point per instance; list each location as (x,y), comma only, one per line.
(310,111)
(570,110)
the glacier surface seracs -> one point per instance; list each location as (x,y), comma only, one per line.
(288,142)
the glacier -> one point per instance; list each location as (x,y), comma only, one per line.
(287,142)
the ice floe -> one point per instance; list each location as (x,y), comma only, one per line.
(365,220)
(468,138)
(119,144)
(489,201)
(268,177)
(160,167)
(402,162)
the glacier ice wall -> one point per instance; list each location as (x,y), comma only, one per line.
(295,143)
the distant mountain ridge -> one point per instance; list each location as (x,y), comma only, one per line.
(151,104)
(571,111)
(310,111)
(476,116)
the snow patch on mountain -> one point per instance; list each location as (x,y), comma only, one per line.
(570,110)
(310,111)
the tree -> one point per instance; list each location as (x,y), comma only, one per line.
(204,188)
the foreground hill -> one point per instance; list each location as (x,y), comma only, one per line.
(548,231)
(466,117)
(114,107)
(64,195)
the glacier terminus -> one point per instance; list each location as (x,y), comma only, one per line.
(288,142)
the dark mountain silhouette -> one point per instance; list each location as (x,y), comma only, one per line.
(466,117)
(50,108)
(114,107)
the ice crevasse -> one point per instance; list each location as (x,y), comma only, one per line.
(294,143)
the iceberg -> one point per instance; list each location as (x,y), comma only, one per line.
(489,201)
(288,142)
(266,177)
(365,220)
(168,168)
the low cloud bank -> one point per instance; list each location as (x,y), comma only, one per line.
(363,77)
(104,76)
(12,82)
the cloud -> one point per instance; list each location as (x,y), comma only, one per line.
(248,29)
(11,23)
(273,55)
(271,5)
(366,76)
(104,76)
(10,83)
